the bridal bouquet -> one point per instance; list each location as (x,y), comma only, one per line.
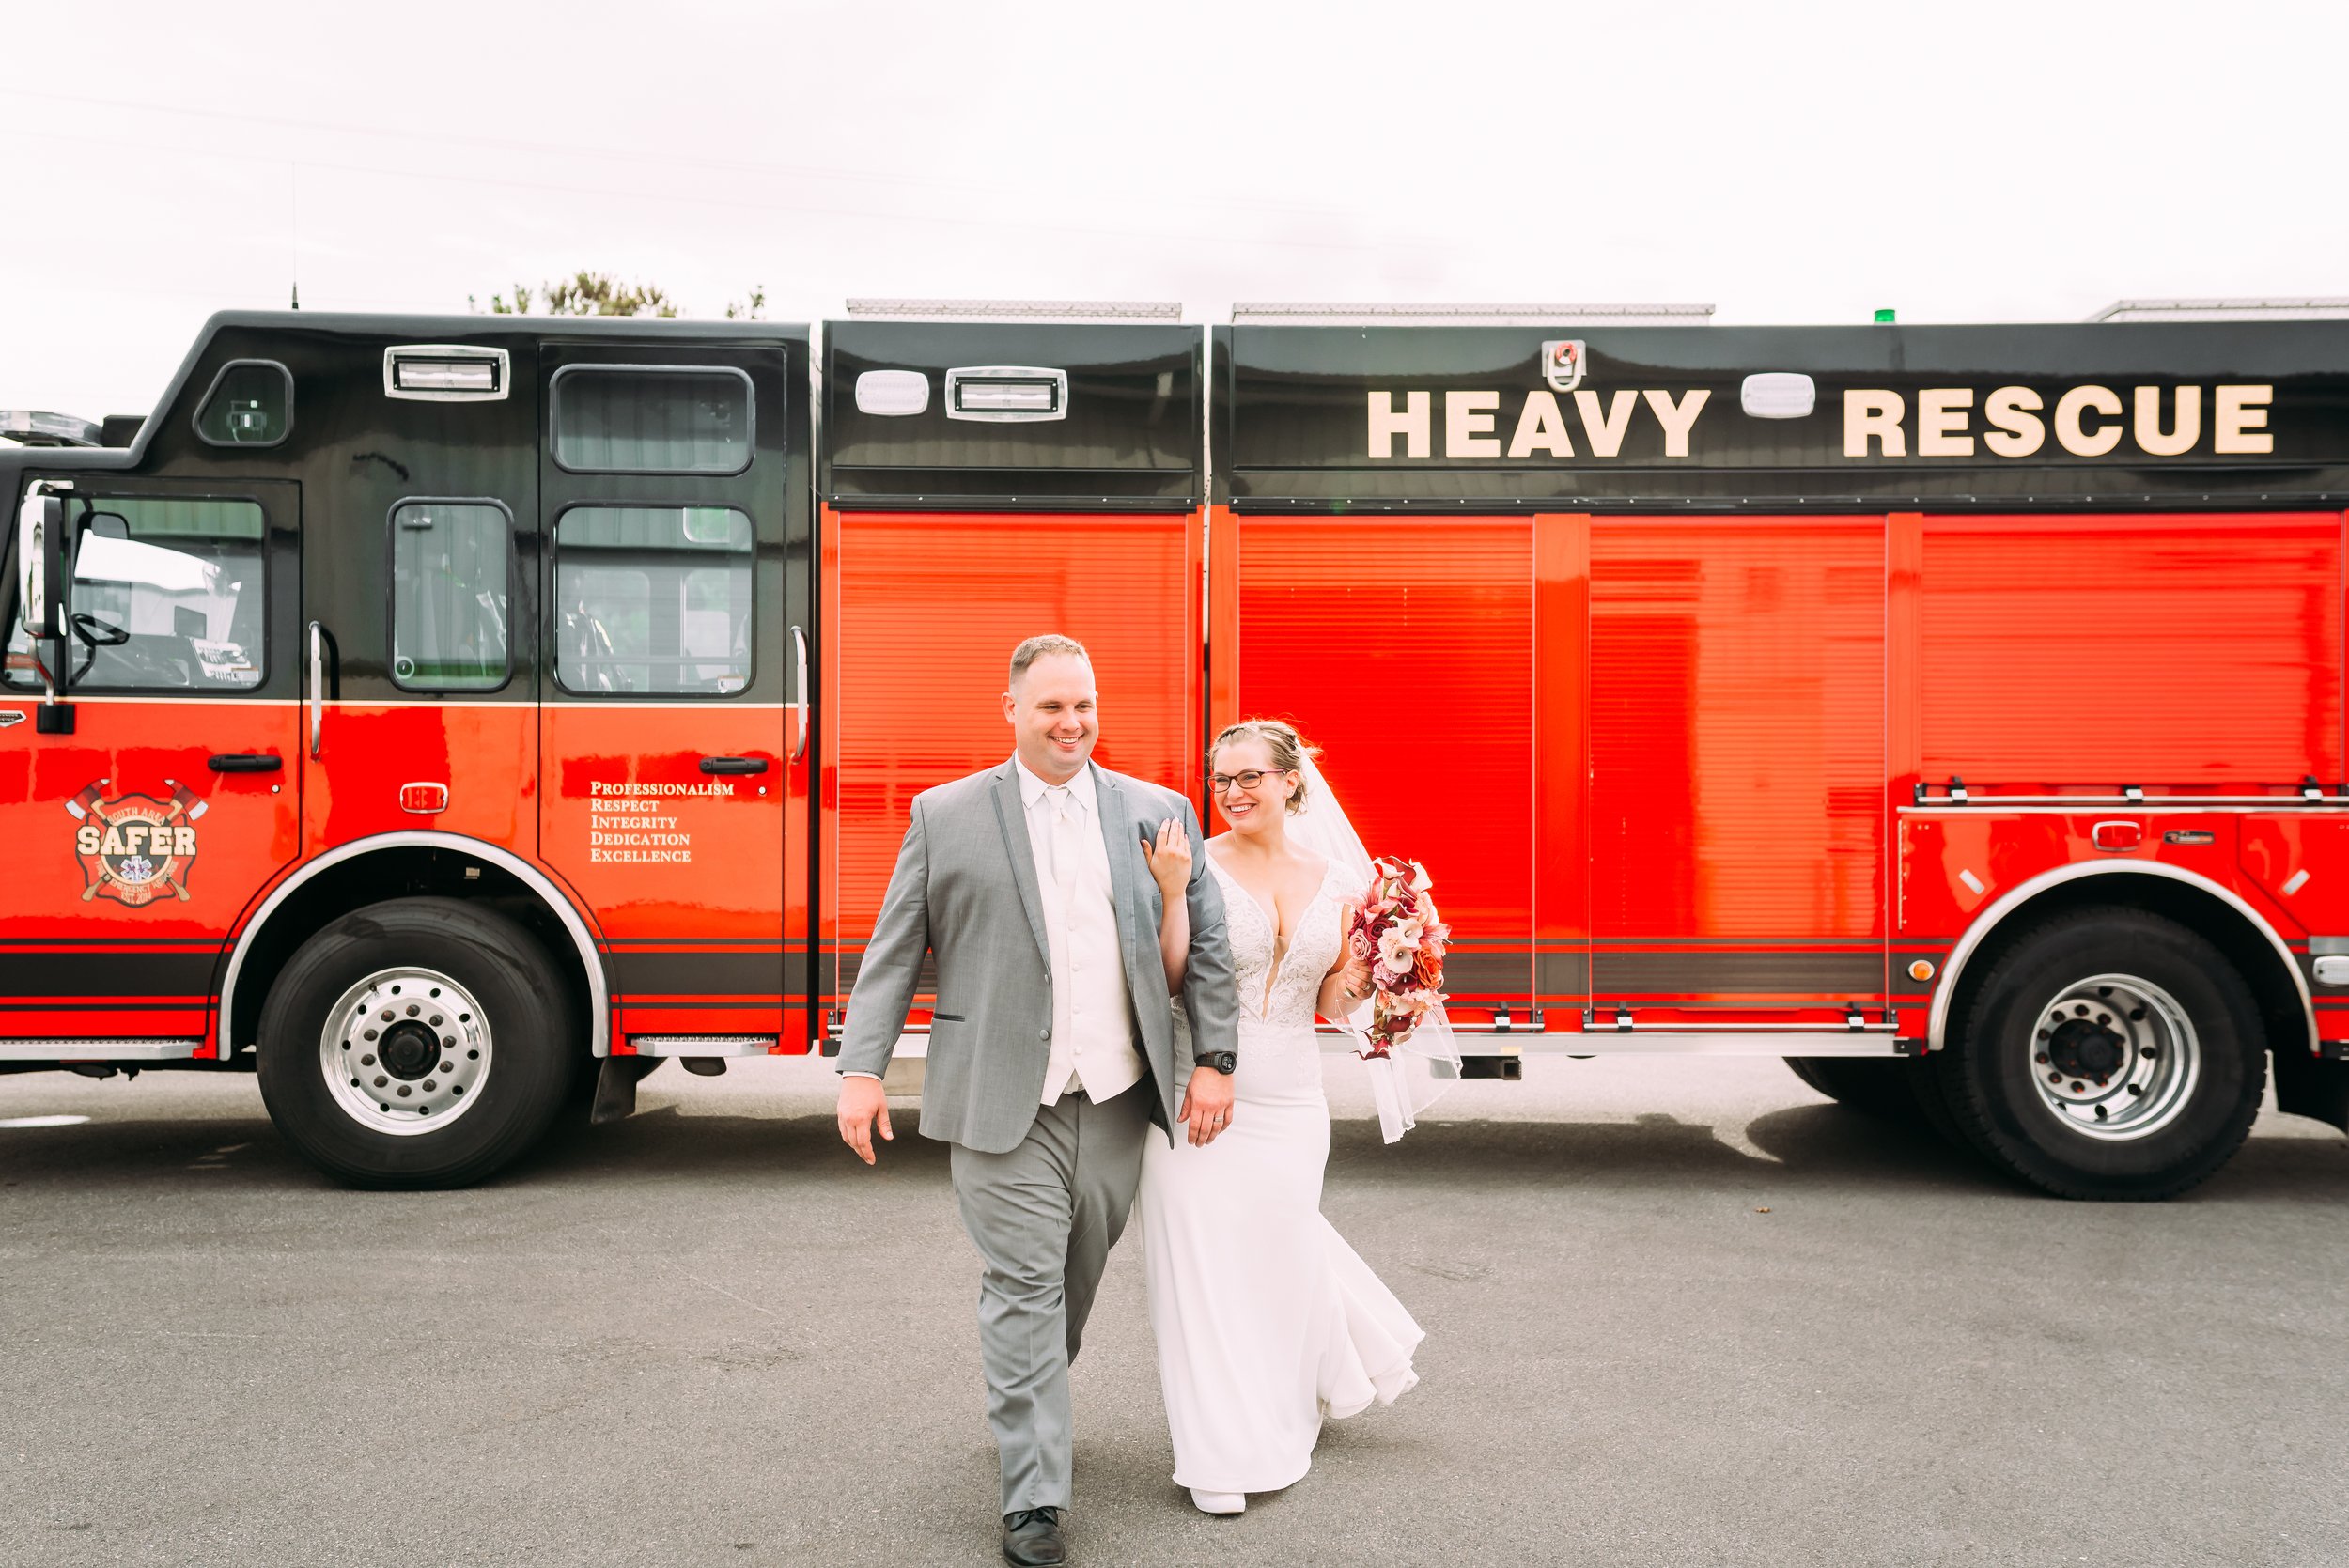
(1396,930)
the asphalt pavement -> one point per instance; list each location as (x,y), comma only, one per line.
(1677,1313)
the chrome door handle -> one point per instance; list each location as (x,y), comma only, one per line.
(317,684)
(798,746)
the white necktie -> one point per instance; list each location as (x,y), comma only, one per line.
(1066,845)
(1065,852)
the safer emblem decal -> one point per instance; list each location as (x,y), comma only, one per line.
(134,849)
(11,718)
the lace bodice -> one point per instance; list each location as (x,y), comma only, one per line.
(1283,1000)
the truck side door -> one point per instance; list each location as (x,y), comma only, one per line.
(665,726)
(135,843)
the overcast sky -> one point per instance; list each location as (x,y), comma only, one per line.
(1796,161)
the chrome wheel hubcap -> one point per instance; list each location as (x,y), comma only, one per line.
(2114,1057)
(405,1050)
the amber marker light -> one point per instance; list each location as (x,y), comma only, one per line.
(1920,969)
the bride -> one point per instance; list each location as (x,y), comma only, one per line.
(1267,1322)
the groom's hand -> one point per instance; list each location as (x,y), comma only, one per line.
(861,1105)
(1207,1105)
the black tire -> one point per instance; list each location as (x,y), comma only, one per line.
(2193,1121)
(1800,1067)
(532,1045)
(1878,1085)
(1930,1101)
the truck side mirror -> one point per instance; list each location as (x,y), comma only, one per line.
(41,586)
(40,568)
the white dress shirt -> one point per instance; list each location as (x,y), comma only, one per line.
(1093,1035)
(1093,1032)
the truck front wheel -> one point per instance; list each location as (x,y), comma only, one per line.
(418,1043)
(2109,1053)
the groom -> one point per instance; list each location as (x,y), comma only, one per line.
(1052,1049)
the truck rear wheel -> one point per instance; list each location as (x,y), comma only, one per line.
(418,1043)
(1876,1085)
(2109,1053)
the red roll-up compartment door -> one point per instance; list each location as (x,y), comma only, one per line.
(922,612)
(1404,648)
(1738,848)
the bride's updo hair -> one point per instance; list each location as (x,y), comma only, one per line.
(1287,748)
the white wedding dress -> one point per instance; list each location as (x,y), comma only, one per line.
(1266,1321)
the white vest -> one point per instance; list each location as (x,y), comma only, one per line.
(1093,1034)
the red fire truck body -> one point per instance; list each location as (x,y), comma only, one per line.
(1957,712)
(356,637)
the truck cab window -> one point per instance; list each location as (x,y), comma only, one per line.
(250,404)
(651,419)
(653,600)
(449,574)
(167,596)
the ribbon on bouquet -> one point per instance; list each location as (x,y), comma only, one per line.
(1386,1089)
(1393,1120)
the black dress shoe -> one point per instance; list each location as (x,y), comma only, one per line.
(1031,1538)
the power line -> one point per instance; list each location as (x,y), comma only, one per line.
(800,210)
(573,149)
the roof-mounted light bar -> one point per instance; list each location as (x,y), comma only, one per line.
(1359,314)
(1007,394)
(447,373)
(34,428)
(1099,311)
(2335,308)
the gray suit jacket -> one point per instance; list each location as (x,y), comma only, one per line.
(965,888)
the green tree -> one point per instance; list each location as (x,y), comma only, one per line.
(587,293)
(583,293)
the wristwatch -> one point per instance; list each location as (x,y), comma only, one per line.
(1224,1061)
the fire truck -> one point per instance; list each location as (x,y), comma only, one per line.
(449,720)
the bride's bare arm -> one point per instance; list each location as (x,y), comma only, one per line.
(1170,867)
(1348,980)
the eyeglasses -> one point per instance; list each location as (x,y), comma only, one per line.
(1219,782)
